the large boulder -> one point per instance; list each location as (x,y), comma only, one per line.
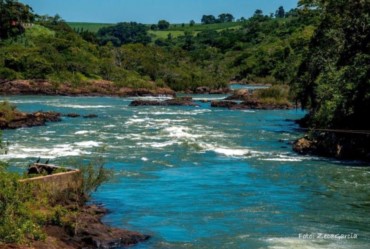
(241,94)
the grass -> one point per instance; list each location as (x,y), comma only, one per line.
(92,27)
(175,29)
(159,34)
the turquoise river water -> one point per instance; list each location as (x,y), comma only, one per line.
(198,177)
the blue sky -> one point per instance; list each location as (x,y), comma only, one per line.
(150,11)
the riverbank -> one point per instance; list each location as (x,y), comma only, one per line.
(90,233)
(342,146)
(93,88)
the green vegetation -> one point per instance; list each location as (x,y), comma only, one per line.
(333,80)
(14,17)
(26,208)
(322,54)
(278,94)
(6,111)
(91,27)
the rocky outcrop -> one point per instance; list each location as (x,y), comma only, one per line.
(90,233)
(335,144)
(90,116)
(73,115)
(241,94)
(182,101)
(92,88)
(208,90)
(252,104)
(21,120)
(223,104)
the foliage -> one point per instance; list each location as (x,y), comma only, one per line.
(277,94)
(163,25)
(93,175)
(333,80)
(17,225)
(7,111)
(13,17)
(124,33)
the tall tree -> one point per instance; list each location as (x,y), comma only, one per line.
(13,17)
(208,19)
(334,79)
(123,33)
(163,25)
(225,17)
(280,12)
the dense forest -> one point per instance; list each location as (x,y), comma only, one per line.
(320,49)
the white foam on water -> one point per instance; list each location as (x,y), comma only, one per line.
(49,132)
(17,151)
(160,97)
(279,159)
(180,132)
(144,159)
(157,145)
(87,144)
(82,106)
(84,132)
(296,243)
(136,120)
(183,113)
(284,158)
(230,152)
(109,126)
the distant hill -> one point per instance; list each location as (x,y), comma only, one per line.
(175,30)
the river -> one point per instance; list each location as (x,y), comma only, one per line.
(198,177)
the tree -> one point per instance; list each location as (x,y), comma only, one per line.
(13,17)
(208,19)
(191,23)
(333,80)
(258,13)
(163,25)
(280,12)
(225,17)
(123,33)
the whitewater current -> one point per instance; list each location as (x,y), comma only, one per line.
(202,177)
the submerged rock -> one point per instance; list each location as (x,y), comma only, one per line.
(73,115)
(91,116)
(223,104)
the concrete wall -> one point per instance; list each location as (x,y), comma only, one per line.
(57,183)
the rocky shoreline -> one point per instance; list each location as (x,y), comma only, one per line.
(251,104)
(91,233)
(93,88)
(335,145)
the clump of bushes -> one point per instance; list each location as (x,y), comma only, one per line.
(7,110)
(277,94)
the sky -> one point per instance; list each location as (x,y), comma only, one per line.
(150,11)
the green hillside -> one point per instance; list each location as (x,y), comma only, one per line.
(92,27)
